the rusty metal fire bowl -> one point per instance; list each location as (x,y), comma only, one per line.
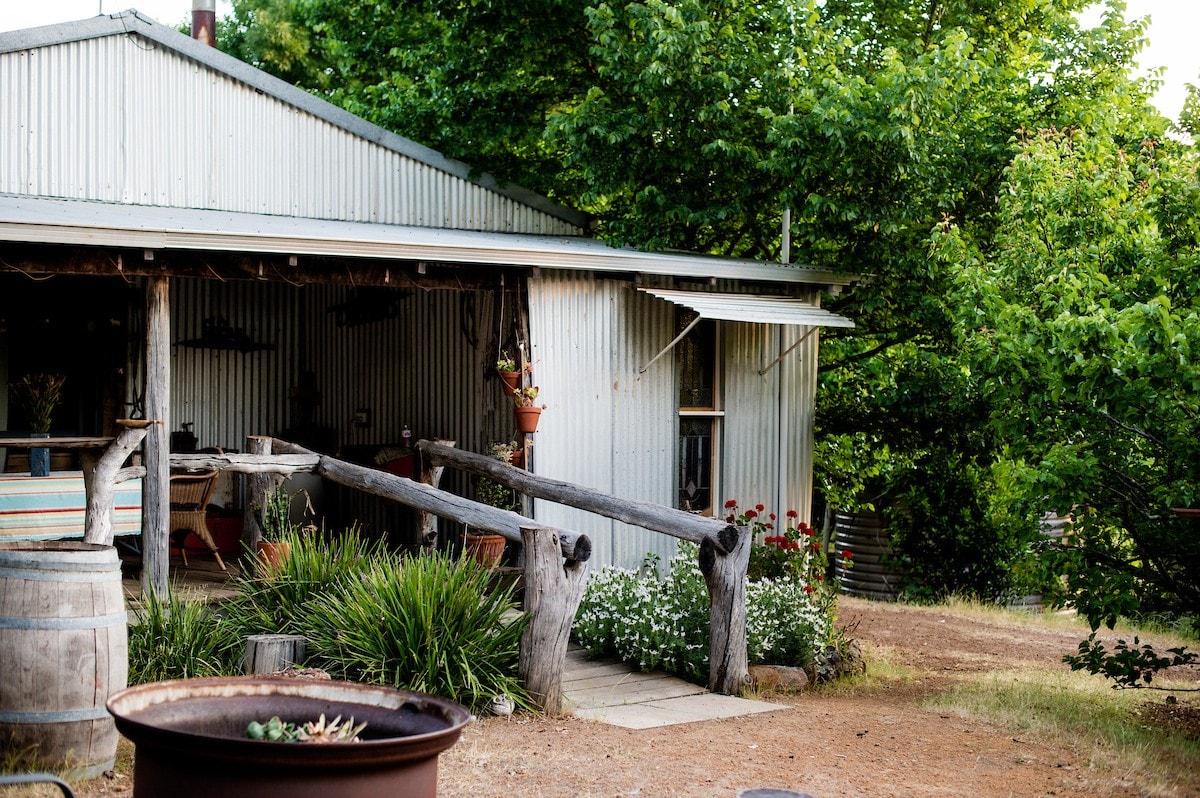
(190,739)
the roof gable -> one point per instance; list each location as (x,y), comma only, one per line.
(122,109)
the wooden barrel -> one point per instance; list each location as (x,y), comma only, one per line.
(64,651)
(870,573)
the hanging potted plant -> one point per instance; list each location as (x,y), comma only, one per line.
(509,373)
(38,395)
(525,411)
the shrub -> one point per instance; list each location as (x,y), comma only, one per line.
(422,623)
(663,624)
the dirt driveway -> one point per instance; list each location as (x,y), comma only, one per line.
(878,743)
(875,741)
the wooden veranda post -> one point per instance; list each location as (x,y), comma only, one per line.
(156,500)
(427,522)
(553,590)
(259,485)
(725,574)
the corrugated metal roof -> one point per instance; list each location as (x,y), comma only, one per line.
(82,223)
(752,307)
(167,38)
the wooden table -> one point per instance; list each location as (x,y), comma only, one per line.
(101,459)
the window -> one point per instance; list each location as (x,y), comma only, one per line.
(699,413)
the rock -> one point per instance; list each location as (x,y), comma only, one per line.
(301,673)
(778,678)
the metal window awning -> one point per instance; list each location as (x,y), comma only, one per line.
(747,308)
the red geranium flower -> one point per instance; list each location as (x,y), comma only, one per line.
(793,514)
(808,589)
(731,503)
(847,554)
(751,514)
(759,507)
(729,519)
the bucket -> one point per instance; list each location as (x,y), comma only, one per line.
(64,649)
(866,537)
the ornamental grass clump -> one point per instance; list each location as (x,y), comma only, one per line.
(176,638)
(280,602)
(425,623)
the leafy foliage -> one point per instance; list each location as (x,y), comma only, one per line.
(1080,325)
(1128,666)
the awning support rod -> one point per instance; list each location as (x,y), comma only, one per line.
(671,345)
(787,351)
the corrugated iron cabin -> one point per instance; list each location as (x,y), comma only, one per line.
(332,283)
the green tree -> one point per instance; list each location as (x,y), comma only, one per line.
(695,123)
(1081,320)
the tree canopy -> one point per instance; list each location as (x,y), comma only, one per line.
(995,336)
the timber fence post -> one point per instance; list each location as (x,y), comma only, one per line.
(258,487)
(553,590)
(725,574)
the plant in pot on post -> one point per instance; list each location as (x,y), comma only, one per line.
(525,411)
(38,395)
(488,549)
(277,531)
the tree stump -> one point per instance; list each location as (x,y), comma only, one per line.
(272,653)
(725,575)
(553,590)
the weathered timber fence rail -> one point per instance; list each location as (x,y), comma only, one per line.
(555,560)
(724,549)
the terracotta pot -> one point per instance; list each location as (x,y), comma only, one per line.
(527,418)
(190,738)
(271,554)
(510,378)
(486,549)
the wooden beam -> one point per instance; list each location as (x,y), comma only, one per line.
(156,485)
(248,463)
(655,517)
(575,546)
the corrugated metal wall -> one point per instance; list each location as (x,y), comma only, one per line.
(122,119)
(612,429)
(423,368)
(606,426)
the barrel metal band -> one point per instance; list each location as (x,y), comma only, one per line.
(82,622)
(59,716)
(112,575)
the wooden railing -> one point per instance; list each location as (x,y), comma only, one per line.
(555,561)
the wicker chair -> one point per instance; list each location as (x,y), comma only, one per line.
(189,500)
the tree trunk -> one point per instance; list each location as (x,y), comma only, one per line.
(100,478)
(259,485)
(725,575)
(553,590)
(575,546)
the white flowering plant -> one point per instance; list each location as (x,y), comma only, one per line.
(663,623)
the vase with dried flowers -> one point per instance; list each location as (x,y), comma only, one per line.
(37,395)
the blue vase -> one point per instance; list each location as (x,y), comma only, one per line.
(39,459)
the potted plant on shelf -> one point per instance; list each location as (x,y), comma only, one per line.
(38,395)
(510,373)
(526,412)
